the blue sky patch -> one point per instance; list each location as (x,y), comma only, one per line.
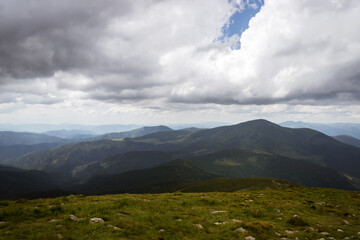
(239,22)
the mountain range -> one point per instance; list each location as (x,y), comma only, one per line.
(170,160)
(331,129)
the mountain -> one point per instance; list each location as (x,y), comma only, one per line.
(8,138)
(68,157)
(177,174)
(240,163)
(132,134)
(71,134)
(167,177)
(259,135)
(16,183)
(262,135)
(13,151)
(125,162)
(40,128)
(348,140)
(332,129)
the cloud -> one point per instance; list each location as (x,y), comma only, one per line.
(302,52)
(166,54)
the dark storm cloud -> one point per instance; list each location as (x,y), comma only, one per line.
(40,37)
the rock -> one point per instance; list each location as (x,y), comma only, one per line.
(178,220)
(161,230)
(221,223)
(242,230)
(250,238)
(346,238)
(59,236)
(277,210)
(340,230)
(96,220)
(198,226)
(284,238)
(236,221)
(321,239)
(312,229)
(2,223)
(277,234)
(289,232)
(114,227)
(59,226)
(217,211)
(54,220)
(324,233)
(346,222)
(74,218)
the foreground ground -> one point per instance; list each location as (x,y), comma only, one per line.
(294,213)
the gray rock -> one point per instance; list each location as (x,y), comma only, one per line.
(96,220)
(74,218)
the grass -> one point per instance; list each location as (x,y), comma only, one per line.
(263,214)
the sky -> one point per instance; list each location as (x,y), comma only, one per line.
(170,61)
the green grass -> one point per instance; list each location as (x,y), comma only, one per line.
(263,214)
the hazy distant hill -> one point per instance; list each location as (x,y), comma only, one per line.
(132,134)
(332,129)
(22,138)
(40,128)
(71,134)
(348,140)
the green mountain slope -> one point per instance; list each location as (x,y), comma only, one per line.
(132,134)
(235,185)
(167,177)
(237,163)
(16,183)
(125,162)
(265,136)
(348,140)
(68,157)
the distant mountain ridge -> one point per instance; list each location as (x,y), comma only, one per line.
(167,160)
(331,129)
(348,140)
(132,133)
(24,138)
(71,134)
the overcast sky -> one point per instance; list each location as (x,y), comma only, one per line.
(171,61)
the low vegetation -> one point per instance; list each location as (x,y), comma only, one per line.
(290,213)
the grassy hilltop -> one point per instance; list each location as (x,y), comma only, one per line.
(261,214)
